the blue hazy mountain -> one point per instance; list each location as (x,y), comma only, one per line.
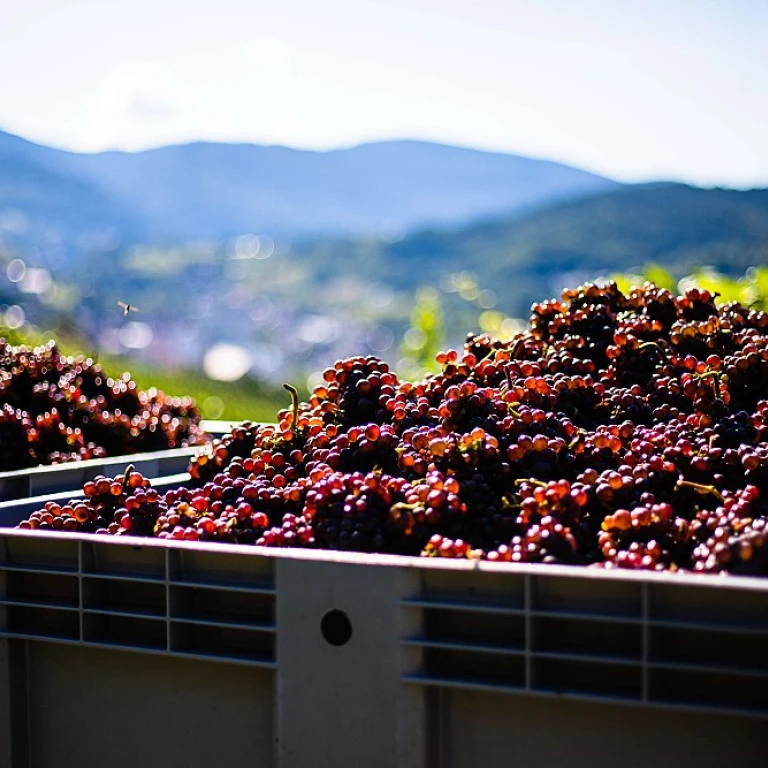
(527,257)
(53,204)
(211,190)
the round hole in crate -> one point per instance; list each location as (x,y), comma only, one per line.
(336,627)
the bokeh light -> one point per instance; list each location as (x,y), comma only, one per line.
(262,310)
(14,317)
(511,326)
(315,379)
(136,335)
(380,338)
(16,270)
(266,247)
(212,407)
(486,299)
(414,338)
(226,362)
(35,281)
(247,247)
(318,329)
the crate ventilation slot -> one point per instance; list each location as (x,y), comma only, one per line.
(151,599)
(668,649)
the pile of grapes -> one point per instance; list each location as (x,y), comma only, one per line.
(619,431)
(55,408)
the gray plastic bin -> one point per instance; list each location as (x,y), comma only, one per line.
(50,479)
(14,511)
(129,652)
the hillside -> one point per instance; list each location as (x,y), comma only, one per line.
(41,205)
(214,191)
(324,298)
(523,258)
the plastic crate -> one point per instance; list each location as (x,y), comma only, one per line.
(51,479)
(14,511)
(126,652)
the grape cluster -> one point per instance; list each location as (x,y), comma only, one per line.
(55,408)
(619,431)
(108,507)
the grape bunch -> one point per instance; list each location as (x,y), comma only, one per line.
(620,431)
(55,408)
(107,507)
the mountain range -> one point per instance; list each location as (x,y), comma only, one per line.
(367,226)
(211,191)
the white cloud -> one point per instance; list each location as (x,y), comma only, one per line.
(674,91)
(149,106)
(140,98)
(266,53)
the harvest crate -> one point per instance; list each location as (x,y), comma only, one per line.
(14,511)
(125,652)
(51,479)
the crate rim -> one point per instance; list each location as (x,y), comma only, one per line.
(128,458)
(683,579)
(211,428)
(78,494)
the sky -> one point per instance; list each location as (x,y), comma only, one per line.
(656,89)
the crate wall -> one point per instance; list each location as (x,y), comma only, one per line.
(319,658)
(51,479)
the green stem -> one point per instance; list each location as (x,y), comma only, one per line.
(531,480)
(408,507)
(715,376)
(294,405)
(701,488)
(490,352)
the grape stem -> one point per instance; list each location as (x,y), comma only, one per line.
(490,352)
(130,468)
(400,506)
(518,346)
(513,356)
(294,405)
(701,488)
(511,407)
(715,376)
(531,480)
